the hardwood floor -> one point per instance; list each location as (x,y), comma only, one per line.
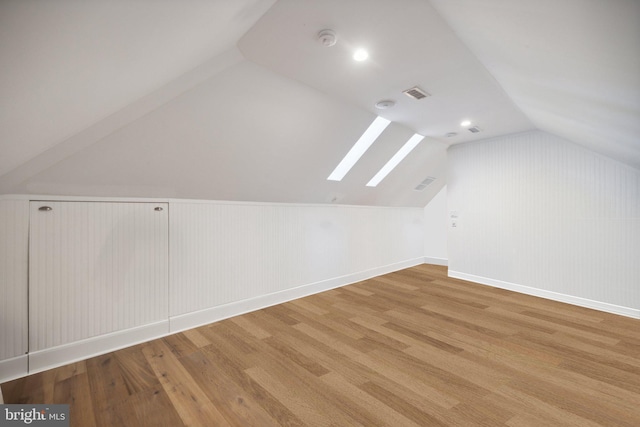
(410,348)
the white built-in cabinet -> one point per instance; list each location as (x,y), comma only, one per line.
(95,268)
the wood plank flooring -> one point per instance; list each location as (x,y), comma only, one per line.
(410,348)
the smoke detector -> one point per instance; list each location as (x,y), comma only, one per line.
(327,38)
(384,104)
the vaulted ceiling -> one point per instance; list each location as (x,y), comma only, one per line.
(237,99)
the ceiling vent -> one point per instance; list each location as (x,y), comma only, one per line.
(474,129)
(424,183)
(415,93)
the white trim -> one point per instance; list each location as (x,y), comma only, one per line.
(59,198)
(198,318)
(51,198)
(436,261)
(555,296)
(58,356)
(285,204)
(68,353)
(15,197)
(13,368)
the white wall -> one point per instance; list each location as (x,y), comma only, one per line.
(435,229)
(14,240)
(540,215)
(225,258)
(231,257)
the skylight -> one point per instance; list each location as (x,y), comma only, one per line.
(396,159)
(359,148)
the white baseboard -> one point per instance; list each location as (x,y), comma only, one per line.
(13,368)
(436,261)
(555,296)
(214,314)
(62,355)
(41,360)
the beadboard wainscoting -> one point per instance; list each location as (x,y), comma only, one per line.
(109,273)
(540,215)
(435,229)
(14,258)
(96,269)
(222,254)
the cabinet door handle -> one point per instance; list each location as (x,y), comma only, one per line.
(158,209)
(45,208)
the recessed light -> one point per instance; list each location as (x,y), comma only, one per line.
(364,142)
(360,55)
(465,123)
(396,159)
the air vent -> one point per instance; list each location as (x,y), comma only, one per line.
(416,93)
(474,129)
(424,183)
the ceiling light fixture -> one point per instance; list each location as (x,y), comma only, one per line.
(384,104)
(465,123)
(364,142)
(396,159)
(360,55)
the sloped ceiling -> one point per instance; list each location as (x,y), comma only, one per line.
(409,43)
(67,64)
(269,146)
(571,66)
(236,100)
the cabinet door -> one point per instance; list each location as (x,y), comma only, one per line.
(95,268)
